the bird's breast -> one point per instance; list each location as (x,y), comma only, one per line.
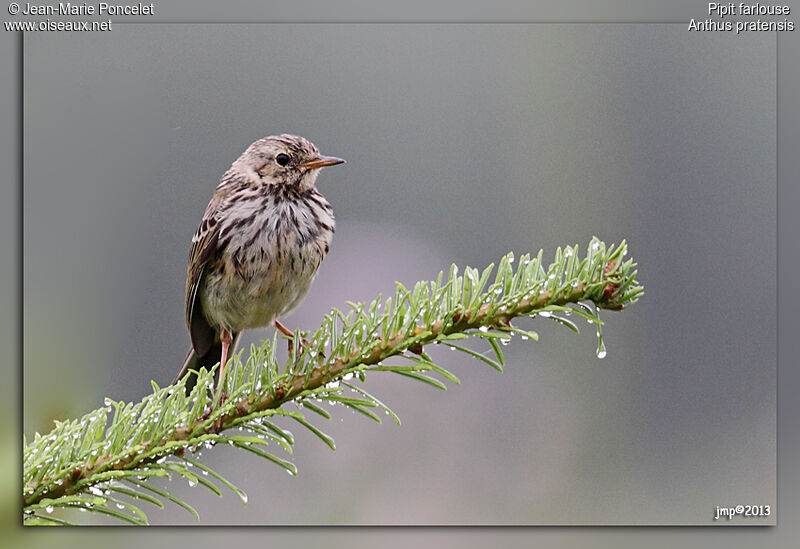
(269,256)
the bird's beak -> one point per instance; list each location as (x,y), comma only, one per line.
(320,162)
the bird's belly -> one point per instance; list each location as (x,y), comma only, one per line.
(263,284)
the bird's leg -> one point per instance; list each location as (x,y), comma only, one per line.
(225,338)
(288,333)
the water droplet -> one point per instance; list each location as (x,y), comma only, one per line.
(524,338)
(505,341)
(601,353)
(545,314)
(49,508)
(568,252)
(95,490)
(120,506)
(484,329)
(192,483)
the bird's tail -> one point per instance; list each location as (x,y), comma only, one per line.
(207,361)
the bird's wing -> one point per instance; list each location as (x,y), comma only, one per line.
(204,245)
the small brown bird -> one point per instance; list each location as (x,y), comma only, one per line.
(258,248)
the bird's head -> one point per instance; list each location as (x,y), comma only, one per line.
(284,159)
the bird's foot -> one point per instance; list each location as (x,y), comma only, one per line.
(218,424)
(301,347)
(302,344)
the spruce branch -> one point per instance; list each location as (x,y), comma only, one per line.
(105,461)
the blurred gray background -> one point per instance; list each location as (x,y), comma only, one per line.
(462,142)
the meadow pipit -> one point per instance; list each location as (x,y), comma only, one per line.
(258,247)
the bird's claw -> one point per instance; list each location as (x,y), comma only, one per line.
(301,347)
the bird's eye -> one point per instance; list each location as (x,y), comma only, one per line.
(282,159)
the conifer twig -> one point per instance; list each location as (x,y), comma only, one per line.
(82,462)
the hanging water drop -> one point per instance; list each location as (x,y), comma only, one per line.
(601,346)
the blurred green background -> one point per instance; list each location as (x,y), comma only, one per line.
(462,142)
